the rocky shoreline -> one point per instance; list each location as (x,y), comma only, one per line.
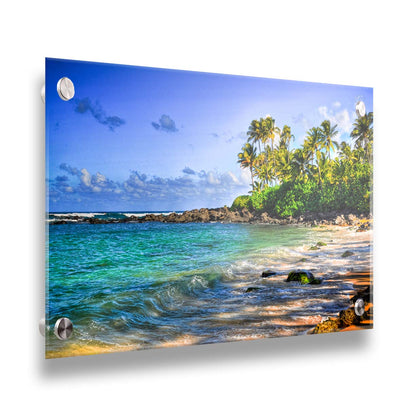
(225,215)
(347,319)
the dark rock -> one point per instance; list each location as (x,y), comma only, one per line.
(172,217)
(364,225)
(347,317)
(252,289)
(347,254)
(246,214)
(224,214)
(314,248)
(364,294)
(264,217)
(97,221)
(151,217)
(353,220)
(268,273)
(340,220)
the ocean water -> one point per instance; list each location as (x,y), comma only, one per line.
(134,286)
(73,216)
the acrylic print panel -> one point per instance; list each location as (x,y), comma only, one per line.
(190,208)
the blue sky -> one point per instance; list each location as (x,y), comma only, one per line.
(142,139)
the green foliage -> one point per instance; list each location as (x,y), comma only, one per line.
(307,179)
(257,200)
(242,201)
(351,192)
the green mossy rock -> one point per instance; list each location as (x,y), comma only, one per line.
(314,248)
(304,277)
(329,325)
(347,254)
(302,260)
(320,244)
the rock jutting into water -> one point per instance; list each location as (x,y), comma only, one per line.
(223,214)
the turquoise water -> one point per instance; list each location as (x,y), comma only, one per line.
(155,284)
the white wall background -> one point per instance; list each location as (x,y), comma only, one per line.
(368,43)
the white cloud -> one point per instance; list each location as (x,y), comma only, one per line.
(211,179)
(245,176)
(99,178)
(209,188)
(85,178)
(233,178)
(303,121)
(342,118)
(336,104)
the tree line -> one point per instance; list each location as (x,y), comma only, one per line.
(338,173)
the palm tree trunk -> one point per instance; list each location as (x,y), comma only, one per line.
(319,177)
(252,181)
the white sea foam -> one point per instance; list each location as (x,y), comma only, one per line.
(325,261)
(109,214)
(142,214)
(77,214)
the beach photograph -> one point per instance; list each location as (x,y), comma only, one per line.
(187,208)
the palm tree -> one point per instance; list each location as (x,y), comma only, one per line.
(328,134)
(247,158)
(270,130)
(324,165)
(257,187)
(265,173)
(314,143)
(283,164)
(362,133)
(285,137)
(254,133)
(339,168)
(299,164)
(345,152)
